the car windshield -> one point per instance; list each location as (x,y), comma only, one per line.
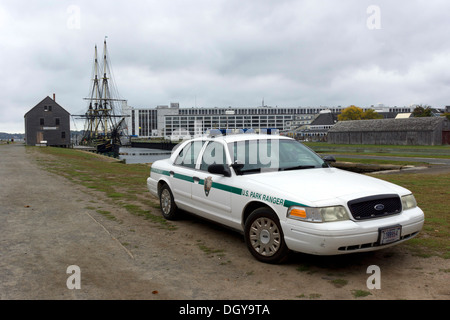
(272,155)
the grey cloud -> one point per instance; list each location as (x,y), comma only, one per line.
(220,53)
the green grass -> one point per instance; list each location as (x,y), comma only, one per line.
(107,214)
(377,161)
(339,283)
(209,251)
(123,185)
(439,148)
(360,293)
(442,151)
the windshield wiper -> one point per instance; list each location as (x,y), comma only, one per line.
(250,171)
(296,168)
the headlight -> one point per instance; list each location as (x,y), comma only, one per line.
(408,202)
(325,214)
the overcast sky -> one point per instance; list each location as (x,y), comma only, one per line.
(209,53)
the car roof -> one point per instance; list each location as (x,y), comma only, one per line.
(226,139)
(241,137)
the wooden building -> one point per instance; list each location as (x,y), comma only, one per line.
(47,123)
(410,131)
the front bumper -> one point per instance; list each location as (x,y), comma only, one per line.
(334,238)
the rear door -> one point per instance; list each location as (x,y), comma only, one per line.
(182,173)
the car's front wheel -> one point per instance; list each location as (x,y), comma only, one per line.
(168,207)
(264,236)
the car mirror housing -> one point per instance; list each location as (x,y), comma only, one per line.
(329,159)
(219,169)
(237,165)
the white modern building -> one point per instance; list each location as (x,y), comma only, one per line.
(167,120)
(170,120)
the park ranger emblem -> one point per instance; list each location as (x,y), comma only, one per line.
(208,185)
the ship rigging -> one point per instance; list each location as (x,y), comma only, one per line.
(104,128)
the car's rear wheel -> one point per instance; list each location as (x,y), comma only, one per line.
(264,236)
(168,207)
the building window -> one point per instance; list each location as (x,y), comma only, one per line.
(63,134)
(56,121)
(41,121)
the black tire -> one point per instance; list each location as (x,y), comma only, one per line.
(264,236)
(169,209)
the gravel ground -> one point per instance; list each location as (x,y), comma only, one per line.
(48,223)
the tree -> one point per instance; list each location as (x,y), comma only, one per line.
(355,113)
(421,111)
(351,113)
(371,114)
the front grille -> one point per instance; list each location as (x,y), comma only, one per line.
(375,206)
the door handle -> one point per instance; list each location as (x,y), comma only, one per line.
(196,179)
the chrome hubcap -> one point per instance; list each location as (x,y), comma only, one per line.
(265,236)
(166,201)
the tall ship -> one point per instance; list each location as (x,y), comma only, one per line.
(104,127)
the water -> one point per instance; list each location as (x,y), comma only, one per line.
(142,155)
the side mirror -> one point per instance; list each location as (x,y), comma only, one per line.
(328,159)
(219,169)
(237,165)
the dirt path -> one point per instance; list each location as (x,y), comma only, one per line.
(48,223)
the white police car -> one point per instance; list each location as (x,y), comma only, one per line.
(283,196)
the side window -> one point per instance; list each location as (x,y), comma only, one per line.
(189,154)
(180,156)
(214,154)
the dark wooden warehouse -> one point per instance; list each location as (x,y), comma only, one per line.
(410,131)
(47,124)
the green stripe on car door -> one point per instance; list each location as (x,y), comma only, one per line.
(220,186)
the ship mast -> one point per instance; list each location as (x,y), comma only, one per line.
(91,130)
(100,118)
(105,90)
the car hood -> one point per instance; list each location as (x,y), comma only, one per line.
(317,186)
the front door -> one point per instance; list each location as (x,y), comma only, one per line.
(211,193)
(39,136)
